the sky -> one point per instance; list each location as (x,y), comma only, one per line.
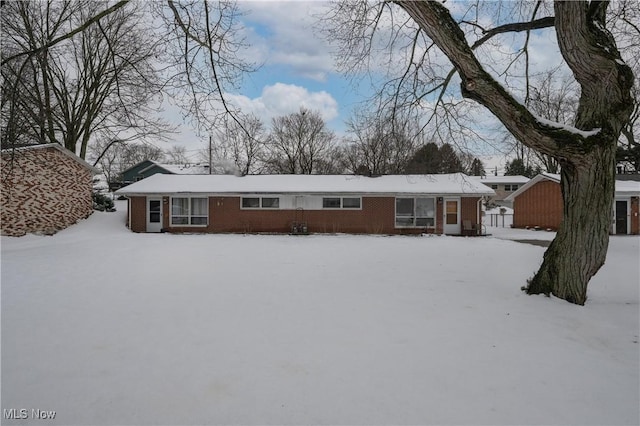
(298,70)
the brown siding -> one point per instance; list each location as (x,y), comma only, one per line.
(138,214)
(540,205)
(469,210)
(43,191)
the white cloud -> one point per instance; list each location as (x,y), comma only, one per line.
(281,33)
(282,99)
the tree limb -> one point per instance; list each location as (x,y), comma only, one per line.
(68,35)
(478,85)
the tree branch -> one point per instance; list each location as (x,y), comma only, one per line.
(68,35)
(478,85)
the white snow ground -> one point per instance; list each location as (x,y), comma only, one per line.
(104,327)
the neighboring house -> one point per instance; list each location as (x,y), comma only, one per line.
(441,204)
(148,168)
(45,188)
(503,187)
(538,203)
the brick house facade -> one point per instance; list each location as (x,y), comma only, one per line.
(539,204)
(356,208)
(45,188)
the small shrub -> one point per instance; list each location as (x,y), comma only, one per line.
(103,203)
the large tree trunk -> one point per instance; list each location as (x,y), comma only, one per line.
(586,152)
(580,246)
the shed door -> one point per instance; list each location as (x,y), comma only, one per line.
(621,216)
(154,214)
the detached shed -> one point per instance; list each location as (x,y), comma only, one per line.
(538,203)
(441,204)
(45,188)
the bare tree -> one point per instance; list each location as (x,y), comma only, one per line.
(381,142)
(624,23)
(203,58)
(554,97)
(108,157)
(100,82)
(114,157)
(116,56)
(134,153)
(585,151)
(298,143)
(177,154)
(241,143)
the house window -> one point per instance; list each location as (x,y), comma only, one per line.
(270,202)
(511,187)
(415,212)
(189,211)
(250,203)
(494,187)
(350,203)
(341,202)
(260,202)
(331,203)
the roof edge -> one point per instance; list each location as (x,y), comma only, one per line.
(60,148)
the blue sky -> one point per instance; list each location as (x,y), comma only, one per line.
(294,57)
(297,69)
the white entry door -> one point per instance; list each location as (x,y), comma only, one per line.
(451,217)
(154,214)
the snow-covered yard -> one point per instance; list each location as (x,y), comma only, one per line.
(104,326)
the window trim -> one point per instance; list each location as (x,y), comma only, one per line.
(189,216)
(414,215)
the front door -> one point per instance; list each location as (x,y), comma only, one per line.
(154,214)
(451,216)
(621,216)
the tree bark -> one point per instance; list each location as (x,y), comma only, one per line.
(587,158)
(580,246)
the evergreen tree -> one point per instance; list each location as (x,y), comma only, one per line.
(477,168)
(517,168)
(426,160)
(449,160)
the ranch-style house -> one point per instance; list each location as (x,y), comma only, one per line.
(399,204)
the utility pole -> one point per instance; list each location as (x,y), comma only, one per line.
(210,162)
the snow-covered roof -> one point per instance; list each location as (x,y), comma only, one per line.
(489,180)
(446,184)
(58,147)
(623,187)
